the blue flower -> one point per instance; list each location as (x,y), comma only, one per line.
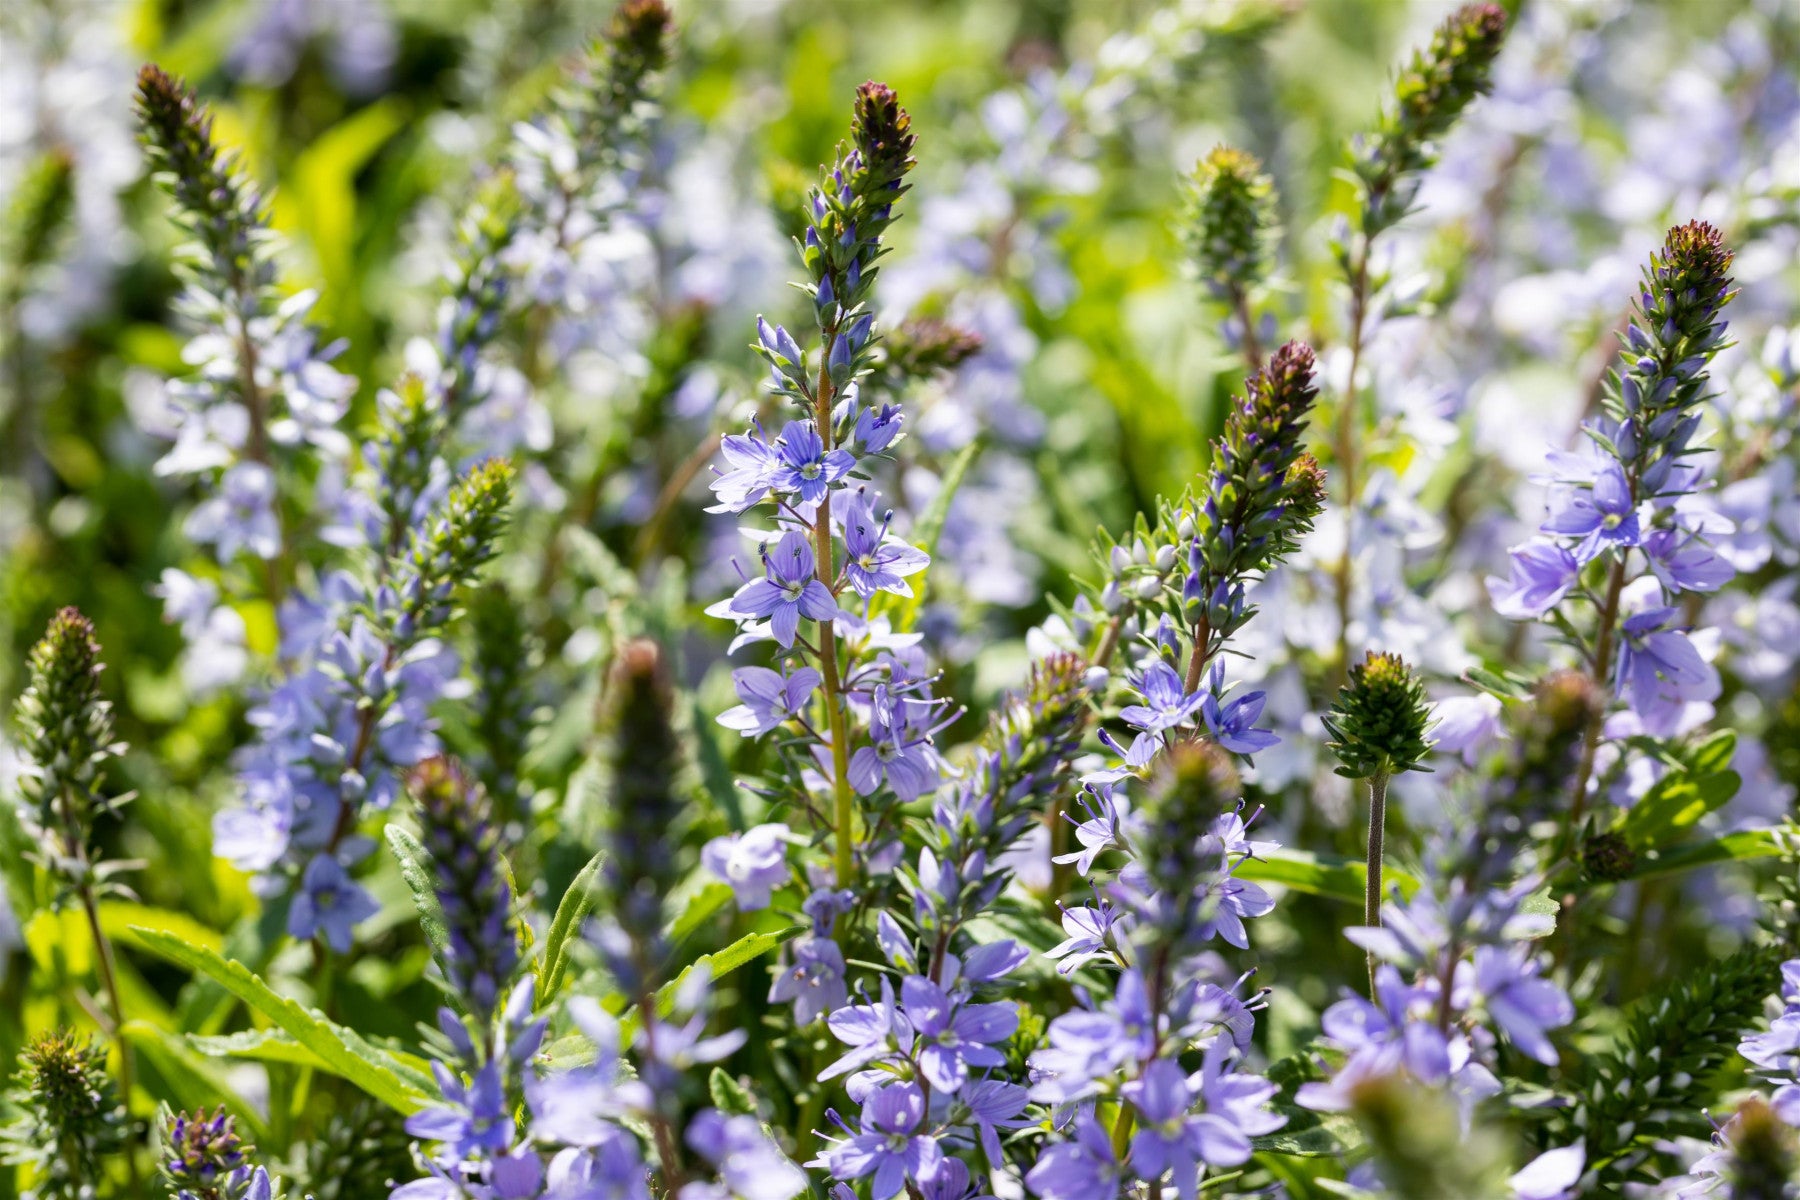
(769,699)
(813,980)
(754,863)
(329,904)
(1541,574)
(1521,1004)
(1660,671)
(788,592)
(871,1031)
(904,762)
(1602,515)
(1166,703)
(754,463)
(1232,725)
(1084,1169)
(876,428)
(954,1035)
(805,466)
(474,1120)
(888,1148)
(874,562)
(1684,563)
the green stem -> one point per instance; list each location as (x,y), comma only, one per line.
(843,800)
(1372,886)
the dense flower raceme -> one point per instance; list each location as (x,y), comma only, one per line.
(1093,935)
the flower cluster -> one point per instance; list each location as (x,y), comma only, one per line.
(205,1159)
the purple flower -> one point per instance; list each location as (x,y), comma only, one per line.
(1541,575)
(876,428)
(1090,931)
(329,904)
(803,464)
(1660,671)
(1522,1005)
(1465,725)
(873,562)
(1684,563)
(241,516)
(813,980)
(870,1030)
(754,463)
(1233,725)
(887,1147)
(788,592)
(1084,1169)
(1228,901)
(1099,831)
(754,863)
(954,1035)
(1602,515)
(473,1121)
(1397,1030)
(993,1105)
(1778,1048)
(907,766)
(1166,704)
(769,699)
(750,1164)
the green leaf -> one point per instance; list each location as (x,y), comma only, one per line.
(715,772)
(746,949)
(1680,799)
(577,902)
(729,1096)
(1503,684)
(193,1081)
(342,1051)
(1322,874)
(1742,846)
(420,874)
(120,920)
(709,900)
(904,610)
(276,1046)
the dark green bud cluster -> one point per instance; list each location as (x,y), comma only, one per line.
(456,826)
(446,554)
(479,284)
(69,1118)
(66,732)
(1430,94)
(644,808)
(40,209)
(634,50)
(847,214)
(360,1153)
(1548,735)
(204,1158)
(1764,1164)
(1379,719)
(1607,858)
(1661,378)
(1195,783)
(1262,493)
(923,346)
(1023,766)
(412,429)
(220,206)
(1420,1150)
(1230,221)
(504,659)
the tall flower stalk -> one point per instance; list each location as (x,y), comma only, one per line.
(66,729)
(804,472)
(1430,94)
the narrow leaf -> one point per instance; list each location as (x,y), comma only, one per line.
(342,1050)
(577,902)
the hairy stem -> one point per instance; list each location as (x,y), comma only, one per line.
(1344,449)
(1372,884)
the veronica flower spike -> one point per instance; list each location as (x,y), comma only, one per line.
(788,592)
